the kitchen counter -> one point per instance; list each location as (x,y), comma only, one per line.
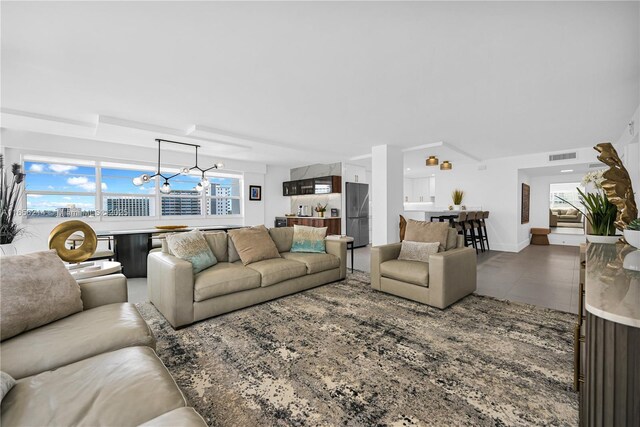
(612,292)
(310,217)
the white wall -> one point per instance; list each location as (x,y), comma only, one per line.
(387,205)
(18,143)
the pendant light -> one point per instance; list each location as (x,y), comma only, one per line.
(446,165)
(432,161)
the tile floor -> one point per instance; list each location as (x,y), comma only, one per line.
(546,276)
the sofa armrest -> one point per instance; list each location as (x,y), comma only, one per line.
(103,290)
(380,254)
(452,275)
(338,248)
(170,287)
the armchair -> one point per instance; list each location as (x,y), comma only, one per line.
(446,278)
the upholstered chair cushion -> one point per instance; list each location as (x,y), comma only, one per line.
(253,244)
(417,251)
(192,246)
(309,239)
(36,289)
(428,232)
(6,383)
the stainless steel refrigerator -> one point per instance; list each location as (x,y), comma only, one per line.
(357,201)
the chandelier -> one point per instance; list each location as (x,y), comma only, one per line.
(165,188)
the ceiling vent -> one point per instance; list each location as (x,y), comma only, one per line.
(563,156)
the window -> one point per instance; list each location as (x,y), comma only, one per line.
(121,198)
(566,191)
(60,189)
(223,196)
(76,188)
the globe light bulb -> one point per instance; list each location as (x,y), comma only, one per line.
(137,181)
(220,165)
(166,188)
(205,182)
(145,178)
(185,171)
(198,187)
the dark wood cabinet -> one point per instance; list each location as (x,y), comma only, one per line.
(333,224)
(322,185)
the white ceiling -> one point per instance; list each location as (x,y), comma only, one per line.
(301,82)
(580,168)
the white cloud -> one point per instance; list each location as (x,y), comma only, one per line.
(82,182)
(36,167)
(62,168)
(104,186)
(35,195)
(50,187)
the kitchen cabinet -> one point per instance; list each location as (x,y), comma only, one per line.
(354,173)
(418,190)
(322,185)
(332,224)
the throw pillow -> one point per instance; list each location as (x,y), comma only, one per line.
(309,239)
(452,239)
(36,289)
(572,211)
(282,237)
(6,383)
(253,244)
(191,246)
(417,251)
(425,231)
(217,241)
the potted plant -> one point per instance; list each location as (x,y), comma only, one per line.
(632,236)
(599,211)
(321,209)
(10,196)
(457,196)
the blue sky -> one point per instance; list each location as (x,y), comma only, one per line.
(71,178)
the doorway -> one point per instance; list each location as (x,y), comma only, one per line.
(564,215)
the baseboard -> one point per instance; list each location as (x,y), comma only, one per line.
(567,239)
(504,247)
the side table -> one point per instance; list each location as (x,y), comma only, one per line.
(94,269)
(349,241)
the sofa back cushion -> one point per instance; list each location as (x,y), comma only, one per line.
(217,241)
(253,244)
(36,289)
(309,239)
(192,246)
(428,232)
(452,239)
(282,237)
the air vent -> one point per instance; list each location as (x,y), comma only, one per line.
(563,156)
(596,165)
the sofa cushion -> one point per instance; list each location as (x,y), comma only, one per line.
(315,262)
(415,272)
(278,270)
(222,279)
(425,231)
(452,239)
(282,237)
(36,289)
(126,387)
(217,241)
(192,246)
(6,383)
(85,334)
(417,251)
(309,239)
(183,417)
(253,244)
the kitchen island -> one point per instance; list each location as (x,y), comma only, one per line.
(333,224)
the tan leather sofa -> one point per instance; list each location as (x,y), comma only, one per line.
(95,367)
(446,278)
(184,298)
(567,215)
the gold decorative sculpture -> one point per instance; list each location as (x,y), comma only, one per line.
(60,234)
(617,185)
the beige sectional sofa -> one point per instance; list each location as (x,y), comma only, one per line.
(183,297)
(447,277)
(94,367)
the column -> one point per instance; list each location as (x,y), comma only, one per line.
(386,193)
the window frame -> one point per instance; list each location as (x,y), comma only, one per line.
(99,194)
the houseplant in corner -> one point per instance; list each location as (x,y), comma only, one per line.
(10,196)
(457,196)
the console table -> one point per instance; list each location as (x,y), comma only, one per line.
(608,375)
(132,246)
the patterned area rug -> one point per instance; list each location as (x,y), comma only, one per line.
(343,354)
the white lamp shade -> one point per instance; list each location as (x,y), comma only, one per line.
(137,181)
(199,187)
(166,188)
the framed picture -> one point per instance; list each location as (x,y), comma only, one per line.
(255,192)
(526,194)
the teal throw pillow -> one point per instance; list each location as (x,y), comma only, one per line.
(192,246)
(308,239)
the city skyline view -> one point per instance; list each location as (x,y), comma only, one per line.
(55,190)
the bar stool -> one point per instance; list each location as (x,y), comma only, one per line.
(458,224)
(477,225)
(483,223)
(76,240)
(471,225)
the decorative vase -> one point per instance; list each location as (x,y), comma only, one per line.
(603,239)
(457,207)
(632,260)
(8,249)
(321,214)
